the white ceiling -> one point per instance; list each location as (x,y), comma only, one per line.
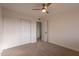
(26,8)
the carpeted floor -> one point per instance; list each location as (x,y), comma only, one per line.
(39,49)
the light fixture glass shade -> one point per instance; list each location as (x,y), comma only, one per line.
(43,10)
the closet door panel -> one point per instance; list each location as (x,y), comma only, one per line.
(25,30)
(11,28)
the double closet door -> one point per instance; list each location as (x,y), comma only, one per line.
(18,31)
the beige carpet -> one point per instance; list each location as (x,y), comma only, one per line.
(39,49)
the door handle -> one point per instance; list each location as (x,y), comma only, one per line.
(45,32)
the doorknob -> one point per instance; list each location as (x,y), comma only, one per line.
(45,32)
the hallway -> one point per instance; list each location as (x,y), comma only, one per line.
(39,49)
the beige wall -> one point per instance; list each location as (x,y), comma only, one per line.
(1,28)
(63,29)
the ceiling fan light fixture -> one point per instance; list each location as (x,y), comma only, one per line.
(43,10)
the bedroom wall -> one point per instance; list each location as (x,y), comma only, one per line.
(63,29)
(1,36)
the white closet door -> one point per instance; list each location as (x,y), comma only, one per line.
(11,28)
(16,32)
(25,30)
(33,31)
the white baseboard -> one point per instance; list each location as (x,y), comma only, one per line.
(17,44)
(14,45)
(74,49)
(1,52)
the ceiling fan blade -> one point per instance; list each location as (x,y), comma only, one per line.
(48,4)
(47,12)
(43,5)
(36,9)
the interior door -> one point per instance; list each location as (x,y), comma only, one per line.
(45,30)
(16,32)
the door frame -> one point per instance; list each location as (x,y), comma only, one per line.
(40,38)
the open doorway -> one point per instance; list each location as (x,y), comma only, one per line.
(39,31)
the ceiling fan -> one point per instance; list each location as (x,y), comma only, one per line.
(44,8)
